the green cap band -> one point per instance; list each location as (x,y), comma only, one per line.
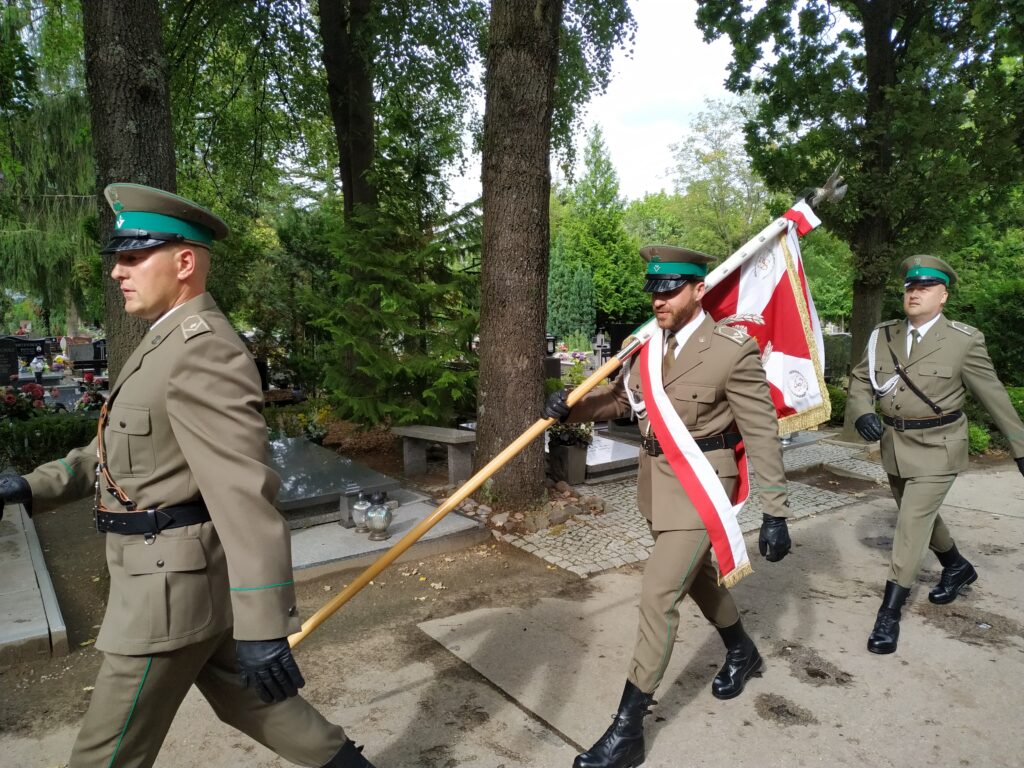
(158,222)
(665,268)
(927,272)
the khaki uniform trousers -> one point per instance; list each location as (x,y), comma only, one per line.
(679,565)
(918,524)
(136,698)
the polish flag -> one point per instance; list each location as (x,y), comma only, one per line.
(771,285)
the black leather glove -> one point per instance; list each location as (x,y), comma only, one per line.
(16,490)
(556,407)
(1020,464)
(269,667)
(774,542)
(869,427)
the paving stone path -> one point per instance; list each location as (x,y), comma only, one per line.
(588,544)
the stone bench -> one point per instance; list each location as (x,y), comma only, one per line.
(416,438)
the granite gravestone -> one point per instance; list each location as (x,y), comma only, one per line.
(8,361)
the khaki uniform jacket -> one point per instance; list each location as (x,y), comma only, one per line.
(185,424)
(718,385)
(950,359)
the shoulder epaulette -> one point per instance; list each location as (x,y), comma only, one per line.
(194,325)
(956,325)
(732,333)
(888,322)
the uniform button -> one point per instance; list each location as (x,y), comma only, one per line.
(122,424)
(159,563)
(694,395)
(903,389)
(897,407)
(293,611)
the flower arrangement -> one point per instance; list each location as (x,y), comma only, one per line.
(22,403)
(91,399)
(59,362)
(583,432)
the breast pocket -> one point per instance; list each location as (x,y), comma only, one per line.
(166,594)
(936,371)
(129,441)
(693,402)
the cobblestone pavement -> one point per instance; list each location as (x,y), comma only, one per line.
(588,544)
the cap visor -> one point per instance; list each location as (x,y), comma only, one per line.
(665,284)
(118,244)
(924,281)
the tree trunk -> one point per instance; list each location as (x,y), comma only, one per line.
(130,110)
(344,31)
(522,60)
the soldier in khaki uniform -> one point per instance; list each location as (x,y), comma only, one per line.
(713,375)
(918,371)
(200,566)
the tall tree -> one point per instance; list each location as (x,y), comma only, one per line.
(592,233)
(348,56)
(130,107)
(533,89)
(522,60)
(727,201)
(920,101)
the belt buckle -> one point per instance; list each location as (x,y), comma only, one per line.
(899,423)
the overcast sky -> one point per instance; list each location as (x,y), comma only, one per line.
(651,99)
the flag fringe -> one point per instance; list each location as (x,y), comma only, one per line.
(734,576)
(820,413)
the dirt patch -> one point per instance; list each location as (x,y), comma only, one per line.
(961,621)
(878,542)
(996,549)
(379,623)
(808,667)
(816,477)
(779,709)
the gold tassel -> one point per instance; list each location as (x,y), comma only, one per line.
(735,575)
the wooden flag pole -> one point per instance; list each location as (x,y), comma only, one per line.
(457,498)
(833,190)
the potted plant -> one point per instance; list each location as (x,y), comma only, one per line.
(568,443)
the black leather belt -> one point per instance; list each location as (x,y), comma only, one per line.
(713,443)
(151,521)
(900,424)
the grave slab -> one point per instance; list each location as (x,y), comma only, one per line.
(319,486)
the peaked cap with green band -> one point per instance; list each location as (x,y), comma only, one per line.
(145,217)
(669,267)
(927,270)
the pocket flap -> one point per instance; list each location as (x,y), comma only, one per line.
(942,371)
(129,419)
(164,554)
(693,393)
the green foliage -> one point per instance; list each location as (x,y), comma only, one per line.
(727,203)
(837,396)
(915,105)
(27,444)
(570,297)
(587,231)
(828,264)
(978,439)
(399,348)
(47,177)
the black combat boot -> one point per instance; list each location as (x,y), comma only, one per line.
(957,573)
(741,662)
(622,745)
(887,626)
(349,756)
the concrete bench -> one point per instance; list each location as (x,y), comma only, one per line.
(416,438)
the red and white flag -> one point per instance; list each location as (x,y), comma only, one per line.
(769,295)
(771,285)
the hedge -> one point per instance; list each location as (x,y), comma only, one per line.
(25,444)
